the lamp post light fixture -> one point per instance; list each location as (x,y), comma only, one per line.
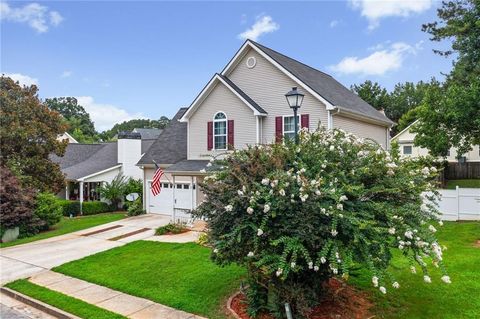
(295,99)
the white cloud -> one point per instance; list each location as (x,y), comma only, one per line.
(22,78)
(106,115)
(263,24)
(55,18)
(377,63)
(66,74)
(334,23)
(374,10)
(35,15)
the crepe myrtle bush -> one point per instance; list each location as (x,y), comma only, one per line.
(296,215)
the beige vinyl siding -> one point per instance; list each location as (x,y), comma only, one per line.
(221,99)
(362,129)
(267,86)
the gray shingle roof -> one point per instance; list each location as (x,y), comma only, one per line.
(148,133)
(81,160)
(243,94)
(188,166)
(146,145)
(171,146)
(325,85)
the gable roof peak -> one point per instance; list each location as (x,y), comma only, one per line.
(261,46)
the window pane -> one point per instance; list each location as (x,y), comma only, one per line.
(288,124)
(220,142)
(220,116)
(407,150)
(220,128)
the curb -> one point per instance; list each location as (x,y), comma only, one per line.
(229,305)
(55,312)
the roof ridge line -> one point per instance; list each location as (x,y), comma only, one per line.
(309,66)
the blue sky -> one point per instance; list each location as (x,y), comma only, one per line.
(146,59)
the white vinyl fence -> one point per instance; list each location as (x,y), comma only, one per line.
(460,204)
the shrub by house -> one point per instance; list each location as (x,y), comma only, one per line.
(296,215)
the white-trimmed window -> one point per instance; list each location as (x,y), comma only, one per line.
(220,131)
(407,150)
(289,126)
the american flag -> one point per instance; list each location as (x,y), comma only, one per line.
(156,185)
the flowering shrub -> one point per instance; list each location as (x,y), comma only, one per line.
(296,215)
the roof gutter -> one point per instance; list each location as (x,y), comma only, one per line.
(100,172)
(350,113)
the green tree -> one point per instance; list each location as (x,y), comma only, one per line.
(459,23)
(131,124)
(450,114)
(373,94)
(80,126)
(28,133)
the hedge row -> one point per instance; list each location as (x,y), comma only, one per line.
(72,207)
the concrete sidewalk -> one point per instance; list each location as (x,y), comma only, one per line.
(25,260)
(11,308)
(115,301)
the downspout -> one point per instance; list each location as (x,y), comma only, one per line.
(258,129)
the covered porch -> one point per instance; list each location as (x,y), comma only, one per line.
(82,191)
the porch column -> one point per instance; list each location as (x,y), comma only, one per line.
(81,197)
(67,190)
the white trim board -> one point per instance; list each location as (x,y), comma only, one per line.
(98,173)
(207,90)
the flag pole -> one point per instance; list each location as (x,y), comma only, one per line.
(157,167)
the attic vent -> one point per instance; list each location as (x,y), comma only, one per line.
(251,62)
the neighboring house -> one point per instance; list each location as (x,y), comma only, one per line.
(86,166)
(407,148)
(145,133)
(148,133)
(245,105)
(66,136)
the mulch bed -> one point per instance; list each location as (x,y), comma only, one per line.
(341,301)
(183,231)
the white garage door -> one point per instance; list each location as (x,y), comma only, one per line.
(163,202)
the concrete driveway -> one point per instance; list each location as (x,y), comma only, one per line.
(25,260)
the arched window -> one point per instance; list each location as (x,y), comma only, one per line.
(220,131)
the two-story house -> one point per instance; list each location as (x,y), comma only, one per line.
(245,105)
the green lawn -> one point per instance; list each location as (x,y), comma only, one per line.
(416,299)
(463,183)
(181,276)
(178,275)
(69,304)
(68,225)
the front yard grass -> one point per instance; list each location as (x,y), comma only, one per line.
(69,225)
(177,275)
(417,299)
(463,183)
(66,303)
(183,277)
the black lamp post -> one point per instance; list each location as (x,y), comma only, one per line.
(295,99)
